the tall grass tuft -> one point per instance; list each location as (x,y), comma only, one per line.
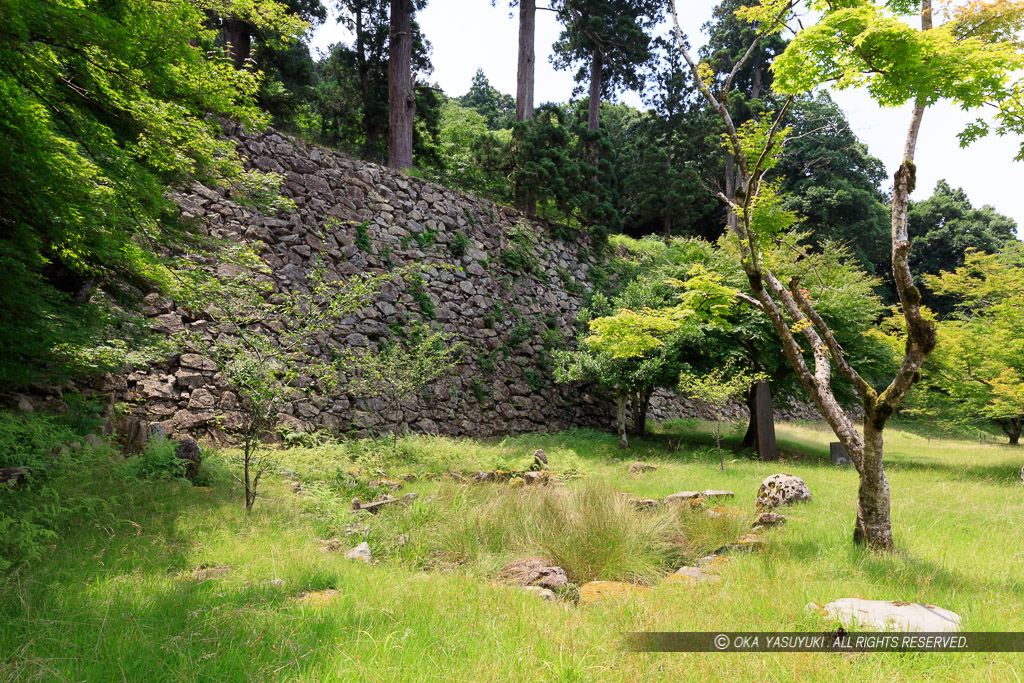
(593,532)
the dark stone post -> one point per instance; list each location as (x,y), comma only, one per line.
(766,449)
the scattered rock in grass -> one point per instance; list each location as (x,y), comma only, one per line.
(535,478)
(542,593)
(750,541)
(317,598)
(637,469)
(768,520)
(297,487)
(540,458)
(402,540)
(890,615)
(693,498)
(781,489)
(204,573)
(713,564)
(516,482)
(534,571)
(454,476)
(10,476)
(407,477)
(332,545)
(712,493)
(94,440)
(356,529)
(692,575)
(377,505)
(276,583)
(720,511)
(390,484)
(600,590)
(360,552)
(24,403)
(481,477)
(643,503)
(189,451)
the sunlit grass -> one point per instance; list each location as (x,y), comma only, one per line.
(115,601)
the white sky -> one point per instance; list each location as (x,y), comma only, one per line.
(471,34)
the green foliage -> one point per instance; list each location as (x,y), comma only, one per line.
(944,227)
(521,331)
(105,106)
(158,462)
(61,489)
(271,347)
(716,388)
(418,291)
(976,373)
(31,440)
(362,237)
(425,238)
(459,245)
(402,369)
(495,108)
(518,256)
(831,181)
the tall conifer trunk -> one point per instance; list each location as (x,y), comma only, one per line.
(524,199)
(401,96)
(594,112)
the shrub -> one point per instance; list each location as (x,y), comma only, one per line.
(518,256)
(459,245)
(362,237)
(33,516)
(31,439)
(160,461)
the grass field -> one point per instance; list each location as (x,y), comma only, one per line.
(118,597)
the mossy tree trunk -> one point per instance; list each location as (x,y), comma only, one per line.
(791,314)
(621,397)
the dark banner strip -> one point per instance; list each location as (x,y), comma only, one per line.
(834,641)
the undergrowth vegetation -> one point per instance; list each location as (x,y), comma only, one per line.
(153,578)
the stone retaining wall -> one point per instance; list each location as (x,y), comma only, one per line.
(504,384)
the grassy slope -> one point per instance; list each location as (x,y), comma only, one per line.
(109,603)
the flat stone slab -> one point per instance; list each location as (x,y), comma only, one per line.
(693,498)
(713,493)
(689,575)
(891,615)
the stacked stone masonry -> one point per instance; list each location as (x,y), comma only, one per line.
(499,388)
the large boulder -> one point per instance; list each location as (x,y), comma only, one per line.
(781,489)
(190,451)
(891,615)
